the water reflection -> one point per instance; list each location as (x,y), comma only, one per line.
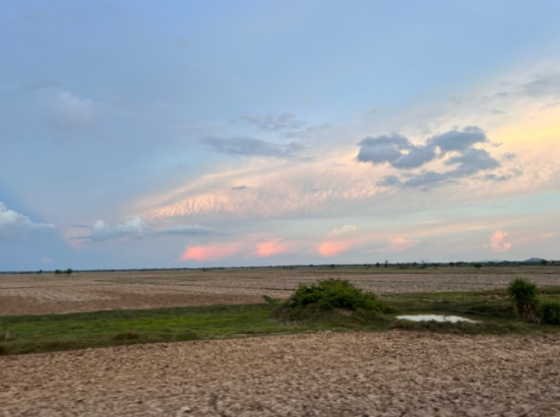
(435,317)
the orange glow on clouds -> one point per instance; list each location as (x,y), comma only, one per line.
(399,244)
(209,253)
(333,248)
(271,247)
(497,242)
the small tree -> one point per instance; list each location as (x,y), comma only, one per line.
(68,271)
(523,296)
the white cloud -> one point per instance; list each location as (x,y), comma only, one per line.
(13,224)
(68,114)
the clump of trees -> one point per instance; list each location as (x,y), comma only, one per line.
(66,271)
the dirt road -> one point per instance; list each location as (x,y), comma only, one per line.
(388,374)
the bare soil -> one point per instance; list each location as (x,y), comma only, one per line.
(389,374)
(90,291)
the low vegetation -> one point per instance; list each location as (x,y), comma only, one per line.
(330,295)
(550,313)
(523,295)
(333,305)
(528,306)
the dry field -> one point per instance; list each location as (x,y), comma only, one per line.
(90,291)
(397,374)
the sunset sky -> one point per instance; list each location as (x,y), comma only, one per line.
(138,134)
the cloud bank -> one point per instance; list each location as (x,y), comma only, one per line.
(136,228)
(14,224)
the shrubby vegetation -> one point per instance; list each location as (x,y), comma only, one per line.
(523,295)
(67,271)
(526,304)
(330,295)
(550,313)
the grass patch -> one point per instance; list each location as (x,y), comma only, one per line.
(45,333)
(123,327)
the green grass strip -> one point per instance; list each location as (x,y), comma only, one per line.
(32,334)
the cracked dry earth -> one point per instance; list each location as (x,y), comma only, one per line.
(327,374)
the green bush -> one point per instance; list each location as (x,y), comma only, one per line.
(523,296)
(330,295)
(550,313)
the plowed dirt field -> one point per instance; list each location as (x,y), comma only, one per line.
(353,374)
(90,291)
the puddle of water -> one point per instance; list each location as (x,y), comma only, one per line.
(435,317)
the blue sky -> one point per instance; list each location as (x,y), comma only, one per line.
(187,134)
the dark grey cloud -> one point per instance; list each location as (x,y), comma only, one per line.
(239,188)
(251,147)
(383,149)
(458,140)
(471,161)
(416,157)
(455,148)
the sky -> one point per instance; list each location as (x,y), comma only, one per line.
(183,134)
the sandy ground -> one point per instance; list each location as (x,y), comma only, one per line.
(89,291)
(388,374)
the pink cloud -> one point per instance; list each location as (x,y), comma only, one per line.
(209,253)
(333,248)
(497,243)
(271,247)
(400,244)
